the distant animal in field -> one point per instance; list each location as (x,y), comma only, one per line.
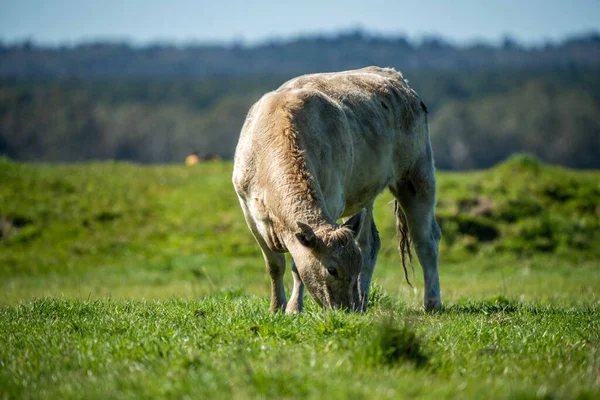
(322,147)
(196,157)
(192,159)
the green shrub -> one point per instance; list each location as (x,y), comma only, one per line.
(394,344)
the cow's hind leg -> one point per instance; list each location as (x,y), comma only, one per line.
(416,195)
(368,240)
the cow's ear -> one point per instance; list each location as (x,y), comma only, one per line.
(306,236)
(355,223)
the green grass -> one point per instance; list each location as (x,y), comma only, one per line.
(128,281)
(228,345)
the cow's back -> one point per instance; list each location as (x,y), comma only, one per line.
(355,128)
(383,119)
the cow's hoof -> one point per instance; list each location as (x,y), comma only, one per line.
(293,308)
(275,308)
(434,304)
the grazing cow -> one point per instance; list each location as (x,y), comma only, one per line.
(321,148)
(195,158)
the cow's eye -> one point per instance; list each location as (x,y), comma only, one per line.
(332,271)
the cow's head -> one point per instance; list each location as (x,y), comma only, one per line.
(329,262)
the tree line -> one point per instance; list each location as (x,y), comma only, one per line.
(65,105)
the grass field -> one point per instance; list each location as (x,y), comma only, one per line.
(128,281)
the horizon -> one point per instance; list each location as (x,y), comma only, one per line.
(187,22)
(414,41)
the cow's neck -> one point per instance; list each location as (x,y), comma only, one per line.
(294,201)
(294,195)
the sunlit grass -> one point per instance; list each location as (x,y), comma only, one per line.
(228,345)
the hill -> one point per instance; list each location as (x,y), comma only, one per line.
(67,220)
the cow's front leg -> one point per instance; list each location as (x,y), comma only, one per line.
(296,303)
(276,268)
(368,240)
(275,263)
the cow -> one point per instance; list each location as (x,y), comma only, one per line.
(318,150)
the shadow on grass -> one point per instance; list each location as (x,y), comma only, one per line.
(498,304)
(393,344)
(502,304)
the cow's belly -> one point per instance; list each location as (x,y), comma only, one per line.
(361,195)
(348,192)
(360,191)
(374,170)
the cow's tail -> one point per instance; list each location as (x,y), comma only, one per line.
(403,240)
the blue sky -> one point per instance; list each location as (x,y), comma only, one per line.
(142,21)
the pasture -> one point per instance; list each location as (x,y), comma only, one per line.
(126,281)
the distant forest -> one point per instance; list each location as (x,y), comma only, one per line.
(158,103)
